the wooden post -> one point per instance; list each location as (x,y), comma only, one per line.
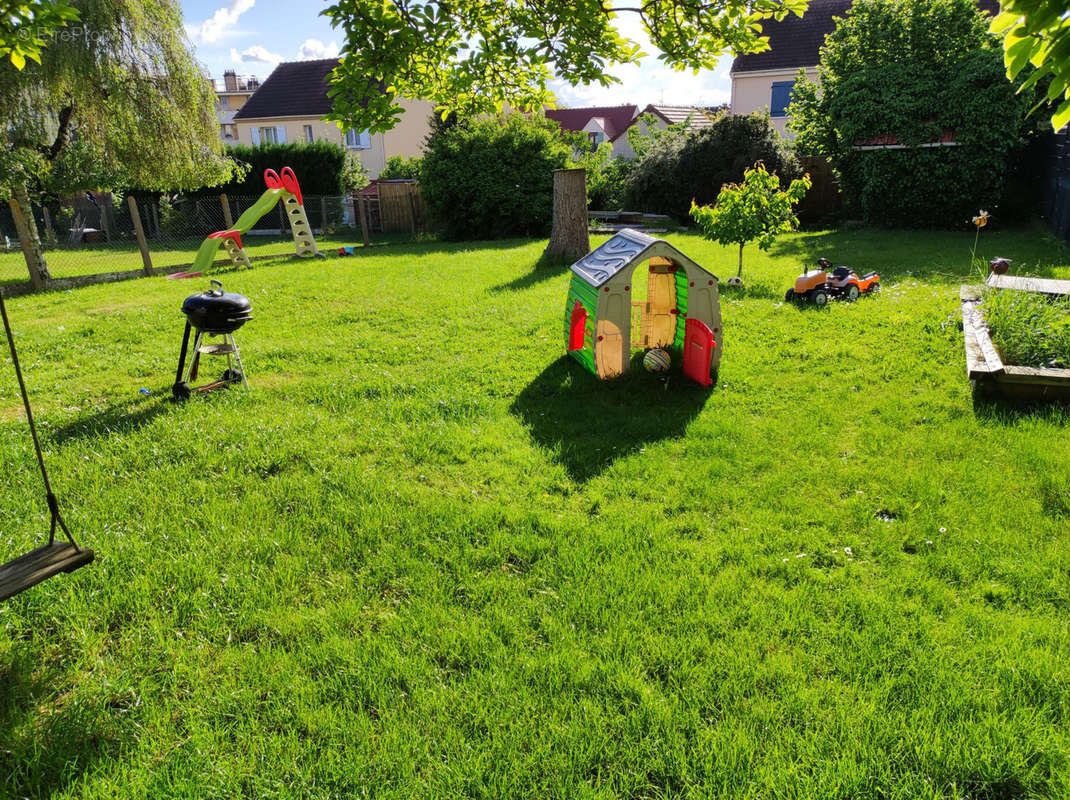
(569,239)
(104,201)
(31,245)
(323,214)
(143,245)
(362,211)
(49,230)
(228,219)
(412,210)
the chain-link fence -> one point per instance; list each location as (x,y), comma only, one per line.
(97,233)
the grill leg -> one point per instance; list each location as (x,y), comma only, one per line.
(195,361)
(237,357)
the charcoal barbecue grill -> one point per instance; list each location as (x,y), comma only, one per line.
(212,313)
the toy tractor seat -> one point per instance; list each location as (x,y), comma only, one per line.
(841,272)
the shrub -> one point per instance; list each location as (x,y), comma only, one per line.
(492,177)
(915,72)
(606,176)
(400,167)
(319,166)
(684,165)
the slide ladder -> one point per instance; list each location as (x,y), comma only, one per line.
(302,231)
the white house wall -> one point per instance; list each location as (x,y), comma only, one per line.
(752,91)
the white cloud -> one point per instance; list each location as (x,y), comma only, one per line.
(220,23)
(257,54)
(314,48)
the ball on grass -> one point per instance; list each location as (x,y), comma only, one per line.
(656,361)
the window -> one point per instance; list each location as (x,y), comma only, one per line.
(780,98)
(595,139)
(358,140)
(224,102)
(308,134)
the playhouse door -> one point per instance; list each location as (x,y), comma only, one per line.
(661,300)
(698,350)
(612,345)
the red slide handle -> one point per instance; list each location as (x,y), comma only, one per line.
(271,178)
(290,184)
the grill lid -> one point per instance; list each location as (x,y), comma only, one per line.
(217,311)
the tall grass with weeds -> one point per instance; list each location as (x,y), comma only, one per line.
(1031,330)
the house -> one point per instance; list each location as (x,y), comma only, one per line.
(611,123)
(231,94)
(291,104)
(763,81)
(600,123)
(664,116)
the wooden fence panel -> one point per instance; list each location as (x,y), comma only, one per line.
(401,207)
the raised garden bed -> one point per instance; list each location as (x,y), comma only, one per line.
(987,373)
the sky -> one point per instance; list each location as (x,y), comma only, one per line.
(252,36)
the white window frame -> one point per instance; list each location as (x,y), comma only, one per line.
(309,135)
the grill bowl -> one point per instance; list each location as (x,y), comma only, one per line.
(216,311)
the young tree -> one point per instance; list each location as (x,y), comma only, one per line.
(117,100)
(914,73)
(473,56)
(754,209)
(1036,33)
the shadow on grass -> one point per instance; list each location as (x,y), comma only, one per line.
(544,269)
(588,423)
(992,408)
(120,418)
(49,740)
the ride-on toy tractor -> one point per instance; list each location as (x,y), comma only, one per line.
(818,285)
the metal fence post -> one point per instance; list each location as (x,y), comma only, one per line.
(142,243)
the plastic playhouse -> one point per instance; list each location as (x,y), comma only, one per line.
(282,188)
(682,309)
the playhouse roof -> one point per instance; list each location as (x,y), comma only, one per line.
(626,248)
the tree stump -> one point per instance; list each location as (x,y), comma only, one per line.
(569,240)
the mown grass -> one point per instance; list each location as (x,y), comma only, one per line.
(1029,329)
(91,259)
(427,556)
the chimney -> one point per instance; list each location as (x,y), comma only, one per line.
(230,81)
(253,84)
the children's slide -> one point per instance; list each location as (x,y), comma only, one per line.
(284,189)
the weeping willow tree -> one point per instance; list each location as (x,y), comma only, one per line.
(115,99)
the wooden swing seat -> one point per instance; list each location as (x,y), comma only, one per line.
(40,565)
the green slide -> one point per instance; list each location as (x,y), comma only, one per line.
(266,202)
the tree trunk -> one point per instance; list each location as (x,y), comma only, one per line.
(29,238)
(739,272)
(569,240)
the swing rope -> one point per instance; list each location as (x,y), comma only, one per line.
(53,504)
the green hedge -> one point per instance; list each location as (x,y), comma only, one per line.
(319,167)
(686,165)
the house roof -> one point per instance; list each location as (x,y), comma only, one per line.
(674,115)
(615,119)
(796,42)
(624,250)
(293,89)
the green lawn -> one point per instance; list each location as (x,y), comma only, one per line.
(428,556)
(92,259)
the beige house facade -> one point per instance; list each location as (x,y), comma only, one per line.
(290,107)
(763,82)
